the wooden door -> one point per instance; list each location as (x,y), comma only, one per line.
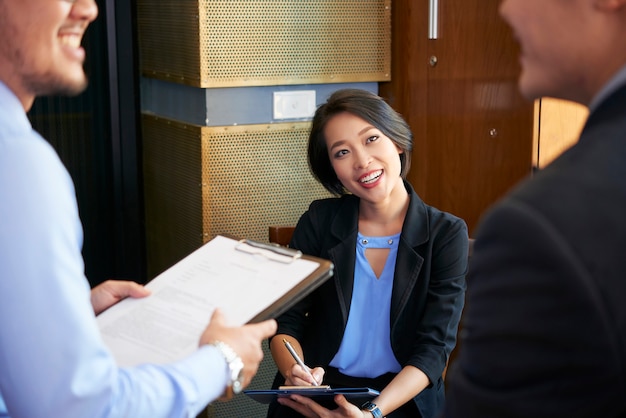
(473,131)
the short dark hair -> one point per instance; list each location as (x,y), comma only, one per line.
(367,106)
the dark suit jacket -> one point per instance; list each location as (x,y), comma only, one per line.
(544,332)
(427,295)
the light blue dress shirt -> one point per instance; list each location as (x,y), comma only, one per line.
(53,362)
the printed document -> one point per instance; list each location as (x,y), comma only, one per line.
(248,287)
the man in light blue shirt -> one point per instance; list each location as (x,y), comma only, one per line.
(53,362)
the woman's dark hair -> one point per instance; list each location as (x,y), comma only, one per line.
(367,106)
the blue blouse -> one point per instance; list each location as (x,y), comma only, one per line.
(365,350)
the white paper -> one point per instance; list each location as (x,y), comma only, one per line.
(167,325)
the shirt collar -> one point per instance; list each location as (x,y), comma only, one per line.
(12,117)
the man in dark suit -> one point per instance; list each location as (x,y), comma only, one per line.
(545,327)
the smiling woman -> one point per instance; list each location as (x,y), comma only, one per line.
(364,159)
(387,246)
(369,108)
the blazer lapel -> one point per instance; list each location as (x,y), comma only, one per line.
(409,261)
(408,266)
(344,229)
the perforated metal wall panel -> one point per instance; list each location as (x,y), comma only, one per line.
(172,166)
(242,406)
(204,181)
(225,43)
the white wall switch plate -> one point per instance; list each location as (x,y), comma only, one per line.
(294,104)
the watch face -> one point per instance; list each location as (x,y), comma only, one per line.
(237,375)
(237,386)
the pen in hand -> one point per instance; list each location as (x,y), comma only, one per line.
(298,360)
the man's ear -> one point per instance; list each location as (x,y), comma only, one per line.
(609,5)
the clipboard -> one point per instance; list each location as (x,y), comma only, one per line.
(320,394)
(277,253)
(249,281)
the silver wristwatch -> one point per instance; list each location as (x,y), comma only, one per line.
(373,408)
(235,367)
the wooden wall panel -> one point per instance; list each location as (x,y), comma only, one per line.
(473,131)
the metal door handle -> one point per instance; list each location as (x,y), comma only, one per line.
(433,19)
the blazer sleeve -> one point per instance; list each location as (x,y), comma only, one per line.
(443,270)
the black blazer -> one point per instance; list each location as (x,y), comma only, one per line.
(427,295)
(545,326)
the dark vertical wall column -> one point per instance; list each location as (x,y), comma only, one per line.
(124,96)
(96,136)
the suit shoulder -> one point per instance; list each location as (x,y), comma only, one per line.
(330,204)
(438,216)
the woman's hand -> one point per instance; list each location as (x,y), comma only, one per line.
(297,376)
(311,409)
(108,293)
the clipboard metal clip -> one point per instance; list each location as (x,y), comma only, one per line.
(273,252)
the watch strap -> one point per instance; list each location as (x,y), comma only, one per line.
(235,369)
(373,408)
